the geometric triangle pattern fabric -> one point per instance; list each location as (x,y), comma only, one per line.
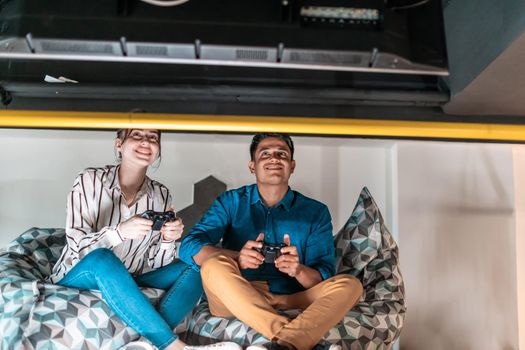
(38,315)
(364,248)
(204,328)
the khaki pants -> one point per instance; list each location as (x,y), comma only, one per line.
(324,305)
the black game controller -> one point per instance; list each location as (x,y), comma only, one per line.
(271,251)
(158,218)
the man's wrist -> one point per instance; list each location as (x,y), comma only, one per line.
(236,256)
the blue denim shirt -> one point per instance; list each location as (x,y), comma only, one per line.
(240,215)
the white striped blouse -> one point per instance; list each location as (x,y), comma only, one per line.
(95,206)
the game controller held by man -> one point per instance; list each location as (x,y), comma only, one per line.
(271,251)
(284,255)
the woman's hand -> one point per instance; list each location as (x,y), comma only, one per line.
(172,230)
(135,227)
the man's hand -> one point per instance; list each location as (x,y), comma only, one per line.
(172,230)
(135,227)
(288,262)
(249,258)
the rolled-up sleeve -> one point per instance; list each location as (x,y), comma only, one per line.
(320,251)
(208,231)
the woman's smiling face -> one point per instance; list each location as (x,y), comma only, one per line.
(139,146)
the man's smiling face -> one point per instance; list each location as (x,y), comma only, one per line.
(272,164)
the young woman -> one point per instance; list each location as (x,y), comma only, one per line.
(111,248)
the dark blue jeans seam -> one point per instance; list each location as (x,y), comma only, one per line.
(128,322)
(171,290)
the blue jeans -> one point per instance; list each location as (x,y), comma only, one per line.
(102,270)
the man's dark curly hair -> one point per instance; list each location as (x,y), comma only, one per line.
(264,135)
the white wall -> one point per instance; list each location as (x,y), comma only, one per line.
(519,184)
(457,244)
(39,167)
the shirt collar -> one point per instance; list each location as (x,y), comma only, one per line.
(111,181)
(286,202)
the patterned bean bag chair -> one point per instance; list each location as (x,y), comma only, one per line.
(38,315)
(364,248)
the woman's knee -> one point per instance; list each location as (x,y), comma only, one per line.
(102,258)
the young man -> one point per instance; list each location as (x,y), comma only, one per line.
(237,279)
